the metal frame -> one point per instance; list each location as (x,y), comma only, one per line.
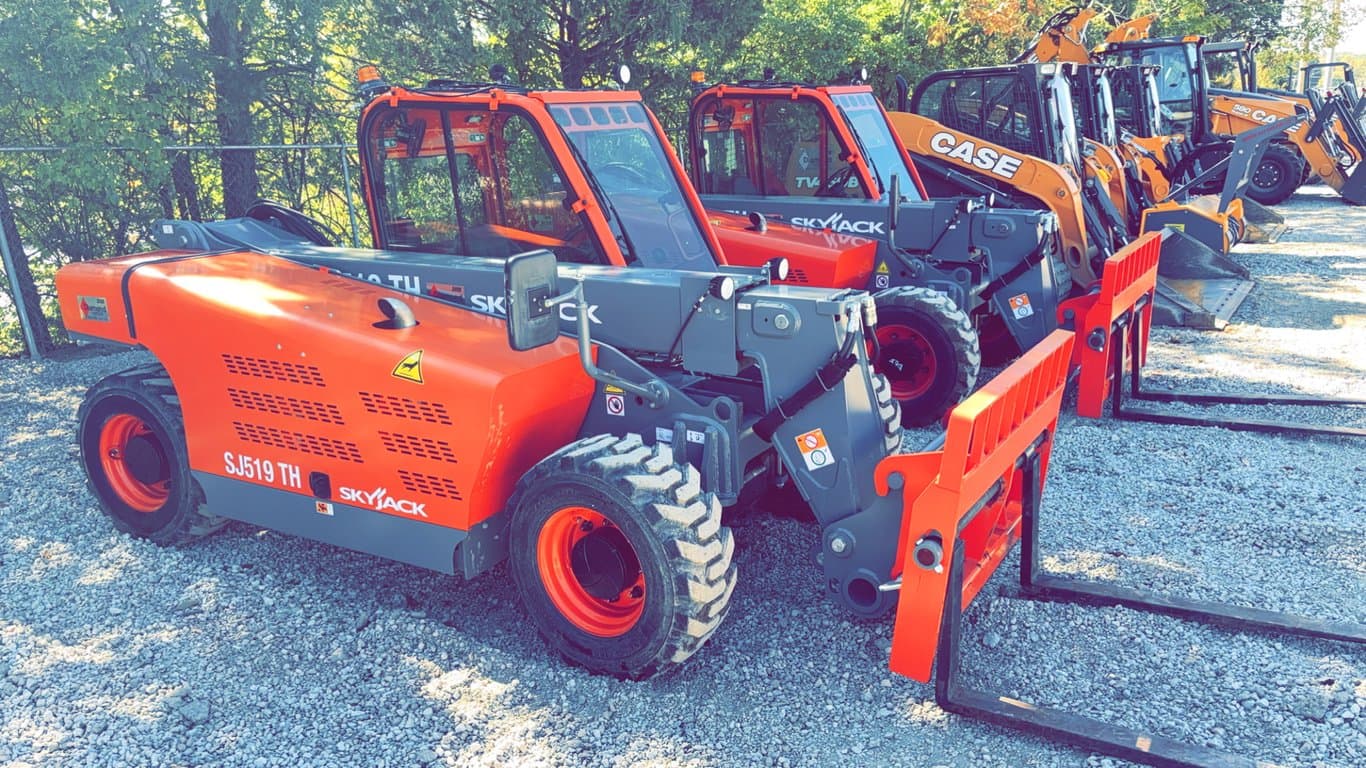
(1119,362)
(1086,733)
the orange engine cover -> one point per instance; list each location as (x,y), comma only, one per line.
(820,258)
(282,372)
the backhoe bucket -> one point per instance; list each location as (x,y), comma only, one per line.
(964,501)
(1197,287)
(1260,223)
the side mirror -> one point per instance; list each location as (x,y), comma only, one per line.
(529,280)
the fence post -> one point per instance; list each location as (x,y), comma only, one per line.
(350,202)
(8,258)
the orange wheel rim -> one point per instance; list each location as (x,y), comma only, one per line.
(134,462)
(908,360)
(590,572)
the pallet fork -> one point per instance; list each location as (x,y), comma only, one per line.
(978,492)
(1112,328)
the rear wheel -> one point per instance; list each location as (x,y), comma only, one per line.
(929,352)
(619,557)
(1277,176)
(132,440)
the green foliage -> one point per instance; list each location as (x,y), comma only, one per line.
(114,82)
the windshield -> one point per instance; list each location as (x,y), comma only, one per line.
(1105,109)
(624,156)
(868,123)
(1158,126)
(1063,115)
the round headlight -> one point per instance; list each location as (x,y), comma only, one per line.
(722,287)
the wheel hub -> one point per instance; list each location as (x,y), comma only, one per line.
(907,360)
(144,459)
(604,563)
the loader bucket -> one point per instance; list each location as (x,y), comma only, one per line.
(1260,223)
(1197,287)
(1354,191)
(1125,295)
(964,500)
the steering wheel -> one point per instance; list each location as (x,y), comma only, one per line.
(834,185)
(627,172)
(292,221)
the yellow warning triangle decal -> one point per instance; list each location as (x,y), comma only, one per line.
(882,268)
(410,367)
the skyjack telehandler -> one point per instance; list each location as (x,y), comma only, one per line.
(951,276)
(1012,131)
(825,157)
(295,387)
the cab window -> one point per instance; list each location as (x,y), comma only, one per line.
(470,182)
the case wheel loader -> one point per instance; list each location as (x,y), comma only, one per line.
(1013,131)
(594,438)
(1331,147)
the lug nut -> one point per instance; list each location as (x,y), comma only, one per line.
(838,545)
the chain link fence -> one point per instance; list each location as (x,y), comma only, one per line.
(65,204)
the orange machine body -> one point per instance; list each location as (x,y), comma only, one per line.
(283,376)
(817,257)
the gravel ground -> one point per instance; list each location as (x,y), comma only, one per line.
(253,648)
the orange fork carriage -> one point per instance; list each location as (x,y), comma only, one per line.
(1112,324)
(979,491)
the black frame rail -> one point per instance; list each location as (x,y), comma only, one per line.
(1129,367)
(1076,730)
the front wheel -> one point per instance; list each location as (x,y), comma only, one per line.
(132,439)
(619,557)
(929,352)
(1277,176)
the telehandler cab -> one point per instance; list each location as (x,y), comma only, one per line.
(291,395)
(951,276)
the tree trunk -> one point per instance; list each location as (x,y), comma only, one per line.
(23,277)
(234,88)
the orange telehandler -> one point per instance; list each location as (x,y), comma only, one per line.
(292,388)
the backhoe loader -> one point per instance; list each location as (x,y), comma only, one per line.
(965,126)
(295,387)
(823,157)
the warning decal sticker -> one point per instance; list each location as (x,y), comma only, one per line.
(93,308)
(410,367)
(815,450)
(1020,306)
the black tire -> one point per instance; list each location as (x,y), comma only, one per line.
(1277,176)
(649,526)
(890,412)
(929,352)
(132,441)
